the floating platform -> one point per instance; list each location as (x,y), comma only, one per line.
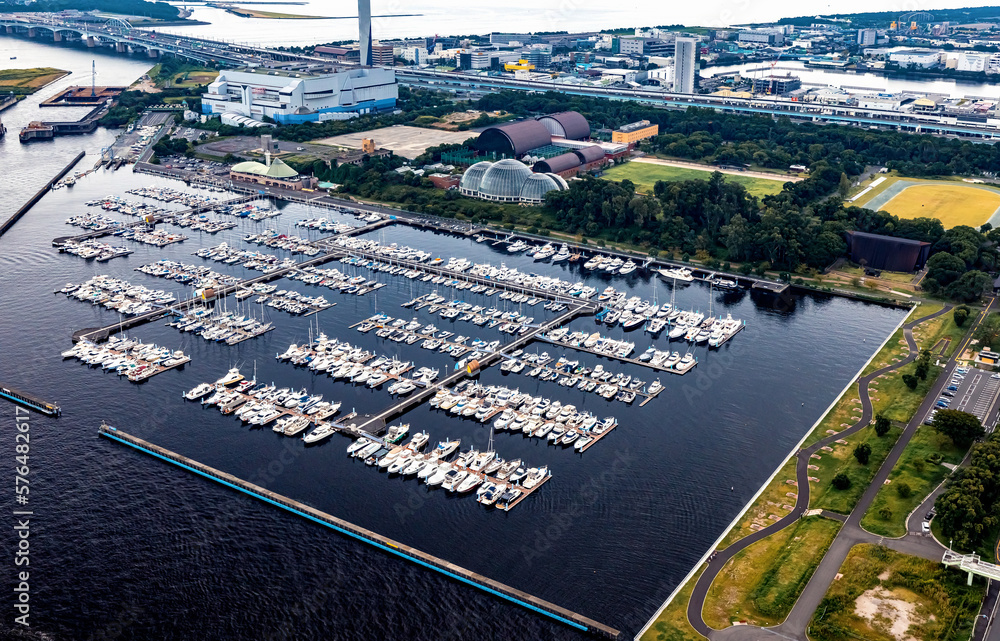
(29,400)
(513,595)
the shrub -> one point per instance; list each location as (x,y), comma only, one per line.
(863,452)
(882,425)
(885,514)
(910,381)
(904,490)
(841,482)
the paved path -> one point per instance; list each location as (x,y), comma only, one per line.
(851,534)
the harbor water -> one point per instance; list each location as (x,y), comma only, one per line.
(128,547)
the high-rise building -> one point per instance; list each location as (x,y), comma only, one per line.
(365,31)
(685,54)
(383,55)
(867,37)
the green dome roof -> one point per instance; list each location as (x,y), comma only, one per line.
(278,169)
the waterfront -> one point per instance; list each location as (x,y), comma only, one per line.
(164,553)
(853,80)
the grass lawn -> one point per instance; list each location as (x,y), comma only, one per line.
(953,204)
(672,624)
(920,474)
(645,175)
(26,81)
(896,277)
(761,583)
(841,459)
(884,596)
(196,78)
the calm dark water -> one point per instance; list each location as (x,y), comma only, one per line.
(125,546)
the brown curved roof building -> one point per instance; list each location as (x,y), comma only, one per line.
(567,124)
(515,139)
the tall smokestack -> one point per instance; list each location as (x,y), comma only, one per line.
(365,31)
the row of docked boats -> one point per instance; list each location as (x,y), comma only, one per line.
(594,342)
(496,481)
(611,265)
(515,411)
(500,275)
(336,280)
(168,195)
(221,326)
(203,222)
(154,237)
(196,275)
(509,322)
(249,259)
(119,295)
(345,362)
(93,248)
(293,302)
(93,222)
(128,357)
(292,411)
(276,240)
(324,224)
(572,374)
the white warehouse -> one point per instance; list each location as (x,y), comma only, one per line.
(291,97)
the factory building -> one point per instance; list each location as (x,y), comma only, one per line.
(916,58)
(887,252)
(295,97)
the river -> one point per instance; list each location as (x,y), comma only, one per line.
(128,547)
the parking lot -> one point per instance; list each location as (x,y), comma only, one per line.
(974,391)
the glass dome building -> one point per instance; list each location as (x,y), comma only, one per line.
(502,182)
(537,185)
(473,176)
(508,181)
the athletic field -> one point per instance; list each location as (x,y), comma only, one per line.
(645,175)
(950,202)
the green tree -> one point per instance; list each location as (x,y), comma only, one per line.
(845,185)
(961,314)
(841,482)
(962,428)
(910,381)
(863,452)
(882,425)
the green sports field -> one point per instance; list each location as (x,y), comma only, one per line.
(645,175)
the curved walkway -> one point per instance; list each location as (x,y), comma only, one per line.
(697,602)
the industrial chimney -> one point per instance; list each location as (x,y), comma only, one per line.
(365,31)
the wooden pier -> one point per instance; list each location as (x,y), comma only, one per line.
(356,532)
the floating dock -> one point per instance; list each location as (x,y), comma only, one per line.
(356,532)
(29,400)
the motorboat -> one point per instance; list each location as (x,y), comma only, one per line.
(199,391)
(232,376)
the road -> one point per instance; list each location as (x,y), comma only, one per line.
(850,534)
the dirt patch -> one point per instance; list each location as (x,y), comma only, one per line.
(887,612)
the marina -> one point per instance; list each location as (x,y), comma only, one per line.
(513,292)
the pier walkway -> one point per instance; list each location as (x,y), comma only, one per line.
(359,533)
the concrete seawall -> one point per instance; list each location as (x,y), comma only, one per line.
(38,196)
(359,533)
